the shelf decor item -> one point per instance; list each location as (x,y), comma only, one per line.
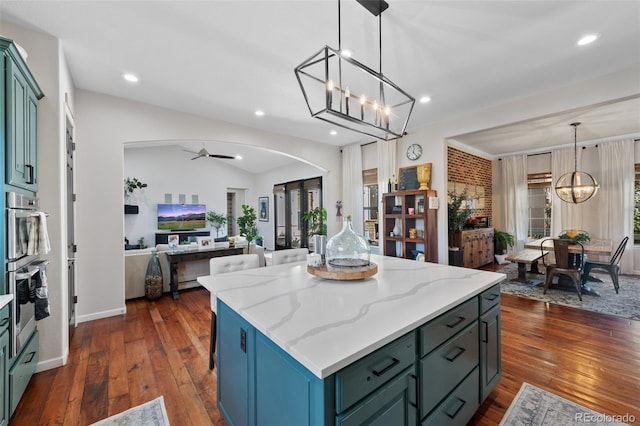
(153,278)
(424,175)
(347,249)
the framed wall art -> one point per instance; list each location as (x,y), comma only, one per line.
(263,209)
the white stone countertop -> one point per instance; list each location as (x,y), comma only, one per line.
(325,324)
(5,299)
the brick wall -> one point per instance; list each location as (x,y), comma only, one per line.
(472,170)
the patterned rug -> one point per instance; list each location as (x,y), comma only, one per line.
(626,304)
(152,413)
(534,406)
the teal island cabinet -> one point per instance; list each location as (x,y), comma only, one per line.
(416,344)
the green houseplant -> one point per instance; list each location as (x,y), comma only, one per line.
(316,219)
(458,212)
(247,223)
(502,241)
(131,184)
(218,220)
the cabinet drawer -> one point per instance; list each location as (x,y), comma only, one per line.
(23,369)
(362,377)
(4,318)
(393,404)
(460,406)
(489,298)
(446,325)
(444,368)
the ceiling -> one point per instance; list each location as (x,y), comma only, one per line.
(226,59)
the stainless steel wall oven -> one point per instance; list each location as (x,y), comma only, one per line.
(24,264)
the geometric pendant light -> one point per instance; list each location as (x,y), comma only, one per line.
(340,90)
(576,187)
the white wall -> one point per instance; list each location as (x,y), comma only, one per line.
(167,170)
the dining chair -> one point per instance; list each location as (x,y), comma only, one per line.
(611,266)
(279,257)
(563,266)
(221,265)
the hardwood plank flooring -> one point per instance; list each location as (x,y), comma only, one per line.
(160,348)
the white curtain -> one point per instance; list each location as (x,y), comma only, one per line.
(387,166)
(564,215)
(615,198)
(515,197)
(352,195)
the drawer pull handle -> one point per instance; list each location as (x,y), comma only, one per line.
(394,362)
(460,404)
(29,357)
(4,322)
(492,297)
(457,322)
(416,393)
(459,352)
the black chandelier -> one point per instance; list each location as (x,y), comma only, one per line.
(340,90)
(576,187)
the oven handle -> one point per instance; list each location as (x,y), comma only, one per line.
(27,275)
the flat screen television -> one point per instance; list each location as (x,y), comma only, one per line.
(181,217)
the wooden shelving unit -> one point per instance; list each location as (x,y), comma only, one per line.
(423,220)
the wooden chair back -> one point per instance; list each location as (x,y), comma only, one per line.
(561,250)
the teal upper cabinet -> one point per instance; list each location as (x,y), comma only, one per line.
(20,93)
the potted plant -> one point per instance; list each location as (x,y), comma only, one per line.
(316,219)
(247,223)
(458,211)
(218,220)
(130,185)
(501,242)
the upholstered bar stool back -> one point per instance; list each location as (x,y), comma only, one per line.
(279,257)
(221,265)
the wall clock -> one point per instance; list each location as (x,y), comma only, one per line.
(414,152)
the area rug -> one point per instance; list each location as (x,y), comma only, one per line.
(626,304)
(152,413)
(534,406)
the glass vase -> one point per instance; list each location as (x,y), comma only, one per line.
(347,249)
(153,278)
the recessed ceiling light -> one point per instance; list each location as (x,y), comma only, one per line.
(132,78)
(238,157)
(587,39)
(333,132)
(259,113)
(425,99)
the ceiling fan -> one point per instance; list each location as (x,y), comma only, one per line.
(204,153)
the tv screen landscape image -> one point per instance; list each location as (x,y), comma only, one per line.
(181,217)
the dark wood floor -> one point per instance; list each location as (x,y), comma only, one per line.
(160,348)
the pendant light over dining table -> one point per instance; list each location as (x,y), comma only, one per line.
(576,187)
(340,90)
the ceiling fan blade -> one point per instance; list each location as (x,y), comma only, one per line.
(196,157)
(224,157)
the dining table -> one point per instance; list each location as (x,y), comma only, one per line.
(594,247)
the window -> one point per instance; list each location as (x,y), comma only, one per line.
(636,209)
(370,191)
(539,185)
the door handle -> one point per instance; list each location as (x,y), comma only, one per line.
(29,168)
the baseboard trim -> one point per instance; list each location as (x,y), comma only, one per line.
(53,362)
(101,315)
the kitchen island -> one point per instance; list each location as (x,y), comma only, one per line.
(416,343)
